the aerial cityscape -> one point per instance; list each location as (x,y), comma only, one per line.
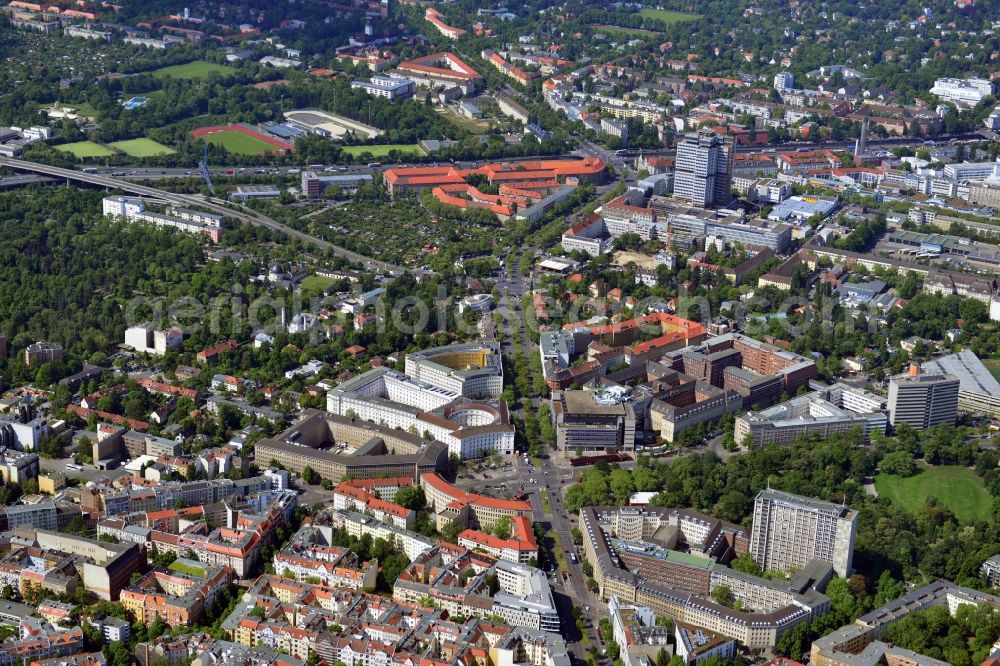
(478,333)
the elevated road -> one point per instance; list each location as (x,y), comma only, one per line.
(213,205)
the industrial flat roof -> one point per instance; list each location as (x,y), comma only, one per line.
(972,374)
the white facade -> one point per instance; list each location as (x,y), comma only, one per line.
(478,303)
(784,81)
(389,87)
(702,170)
(972,170)
(963,92)
(133,209)
(146,340)
(398,401)
(789,531)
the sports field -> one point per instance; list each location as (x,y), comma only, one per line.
(240,139)
(667,16)
(239,143)
(82,149)
(383,151)
(957,488)
(197,69)
(142,148)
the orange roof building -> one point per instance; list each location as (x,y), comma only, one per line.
(450,504)
(408,180)
(435,18)
(445,66)
(520,547)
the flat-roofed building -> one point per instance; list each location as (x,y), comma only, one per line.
(923,400)
(804,416)
(389,87)
(593,422)
(978,389)
(106,567)
(338,446)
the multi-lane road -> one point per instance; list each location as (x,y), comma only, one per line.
(572,592)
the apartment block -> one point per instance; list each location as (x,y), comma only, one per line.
(789,531)
(179,594)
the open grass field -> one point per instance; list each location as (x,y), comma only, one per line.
(142,148)
(317,283)
(82,149)
(667,16)
(957,488)
(383,151)
(239,143)
(624,32)
(198,69)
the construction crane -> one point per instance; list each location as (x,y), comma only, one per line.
(205,173)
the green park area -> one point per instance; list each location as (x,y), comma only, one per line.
(667,16)
(239,143)
(82,149)
(198,69)
(383,151)
(957,488)
(142,148)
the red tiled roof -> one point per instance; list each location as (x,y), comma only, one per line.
(431,64)
(461,496)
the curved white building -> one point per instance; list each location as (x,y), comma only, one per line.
(472,369)
(469,428)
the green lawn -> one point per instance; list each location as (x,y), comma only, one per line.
(197,69)
(993,365)
(82,149)
(142,148)
(638,33)
(180,567)
(958,488)
(239,143)
(667,16)
(383,151)
(317,283)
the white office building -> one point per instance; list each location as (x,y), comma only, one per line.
(703,169)
(974,171)
(389,87)
(784,81)
(963,92)
(425,407)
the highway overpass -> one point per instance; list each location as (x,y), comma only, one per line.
(213,205)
